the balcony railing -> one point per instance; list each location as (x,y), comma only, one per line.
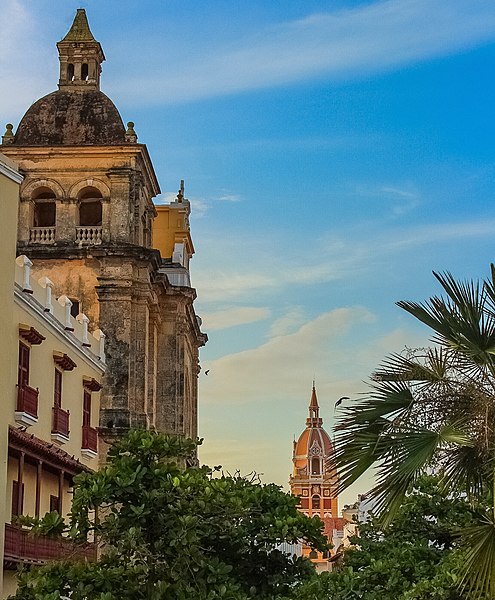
(21,546)
(27,400)
(89,235)
(42,235)
(89,438)
(60,424)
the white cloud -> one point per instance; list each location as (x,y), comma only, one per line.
(238,270)
(229,197)
(292,319)
(223,319)
(288,359)
(341,44)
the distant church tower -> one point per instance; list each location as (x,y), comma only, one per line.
(88,223)
(314,478)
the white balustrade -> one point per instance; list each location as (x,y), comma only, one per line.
(42,235)
(88,235)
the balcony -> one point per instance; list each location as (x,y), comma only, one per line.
(60,424)
(21,546)
(89,235)
(27,405)
(42,235)
(89,441)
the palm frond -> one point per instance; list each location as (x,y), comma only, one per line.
(478,568)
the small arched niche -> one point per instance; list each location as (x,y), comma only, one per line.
(44,207)
(90,209)
(315,502)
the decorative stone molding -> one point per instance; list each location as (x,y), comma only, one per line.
(30,334)
(78,187)
(63,361)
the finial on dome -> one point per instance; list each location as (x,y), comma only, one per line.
(130,134)
(8,136)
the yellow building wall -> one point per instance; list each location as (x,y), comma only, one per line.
(170,227)
(9,198)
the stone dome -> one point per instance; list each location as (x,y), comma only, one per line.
(69,118)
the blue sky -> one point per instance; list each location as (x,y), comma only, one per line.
(335,153)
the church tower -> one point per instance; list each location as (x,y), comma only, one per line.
(88,223)
(314,478)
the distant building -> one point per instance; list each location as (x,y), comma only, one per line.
(88,223)
(314,481)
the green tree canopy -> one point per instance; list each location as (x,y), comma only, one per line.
(435,408)
(167,532)
(416,557)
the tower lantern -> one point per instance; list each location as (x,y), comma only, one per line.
(80,57)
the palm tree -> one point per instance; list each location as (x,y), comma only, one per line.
(434,409)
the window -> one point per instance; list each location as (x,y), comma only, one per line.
(74,309)
(44,208)
(17,503)
(70,72)
(315,466)
(87,409)
(90,210)
(23,365)
(84,72)
(57,390)
(315,502)
(54,503)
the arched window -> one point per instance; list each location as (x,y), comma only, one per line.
(84,72)
(315,502)
(44,208)
(90,211)
(70,72)
(315,465)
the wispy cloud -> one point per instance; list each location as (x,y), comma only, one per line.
(229,197)
(335,257)
(341,45)
(232,317)
(288,322)
(399,198)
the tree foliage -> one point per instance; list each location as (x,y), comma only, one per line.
(435,408)
(416,557)
(169,532)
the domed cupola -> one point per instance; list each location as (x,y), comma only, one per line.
(313,450)
(78,114)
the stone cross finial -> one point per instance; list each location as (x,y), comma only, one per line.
(180,194)
(100,336)
(83,319)
(24,262)
(8,136)
(67,304)
(130,134)
(47,284)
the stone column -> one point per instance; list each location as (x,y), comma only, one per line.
(121,206)
(115,297)
(138,355)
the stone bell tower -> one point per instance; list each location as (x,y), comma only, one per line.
(87,221)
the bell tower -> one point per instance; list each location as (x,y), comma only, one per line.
(80,57)
(87,222)
(314,478)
